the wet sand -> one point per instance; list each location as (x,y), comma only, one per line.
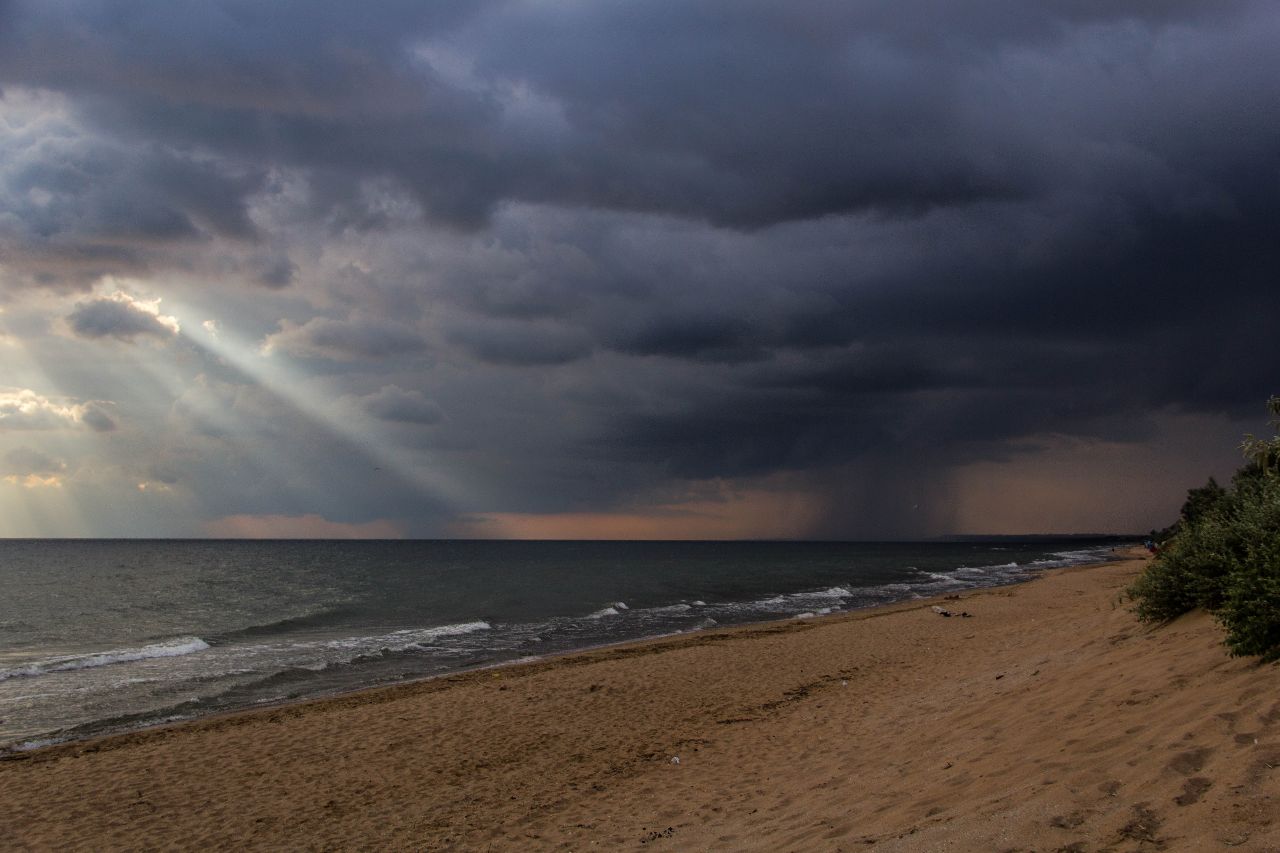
(1049,720)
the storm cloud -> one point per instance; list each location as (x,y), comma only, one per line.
(642,250)
(391,403)
(323,337)
(123,317)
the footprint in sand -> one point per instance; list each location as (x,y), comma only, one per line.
(1190,761)
(1143,827)
(1193,790)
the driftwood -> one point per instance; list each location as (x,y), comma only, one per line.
(942,611)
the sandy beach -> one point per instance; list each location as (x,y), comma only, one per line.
(1048,720)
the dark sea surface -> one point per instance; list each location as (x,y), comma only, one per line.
(106,635)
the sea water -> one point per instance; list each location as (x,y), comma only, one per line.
(107,635)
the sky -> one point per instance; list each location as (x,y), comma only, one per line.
(873,269)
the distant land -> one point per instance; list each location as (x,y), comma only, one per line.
(1036,537)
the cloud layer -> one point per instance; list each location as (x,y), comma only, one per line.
(517,260)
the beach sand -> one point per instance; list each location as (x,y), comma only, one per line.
(1050,720)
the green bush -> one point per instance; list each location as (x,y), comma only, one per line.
(1251,608)
(1190,570)
(1224,556)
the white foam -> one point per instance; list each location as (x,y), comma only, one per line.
(460,628)
(166,649)
(1072,558)
(621,605)
(408,638)
(831,592)
(698,603)
(600,614)
(671,608)
(985,569)
(795,600)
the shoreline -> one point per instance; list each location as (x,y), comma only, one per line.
(19,750)
(1051,720)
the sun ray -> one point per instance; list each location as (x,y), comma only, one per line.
(362,434)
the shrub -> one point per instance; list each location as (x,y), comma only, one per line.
(1224,555)
(1189,572)
(1251,608)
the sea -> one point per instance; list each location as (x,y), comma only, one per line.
(100,636)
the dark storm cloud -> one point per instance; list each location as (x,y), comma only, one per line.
(731,238)
(119,317)
(392,403)
(699,338)
(323,85)
(743,114)
(97,420)
(342,340)
(513,342)
(74,207)
(276,272)
(308,55)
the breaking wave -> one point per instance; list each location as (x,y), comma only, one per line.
(166,649)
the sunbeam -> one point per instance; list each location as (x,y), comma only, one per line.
(360,433)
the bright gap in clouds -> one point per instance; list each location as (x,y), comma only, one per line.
(33,497)
(360,432)
(167,362)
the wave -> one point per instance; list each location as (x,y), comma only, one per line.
(614,609)
(801,602)
(921,584)
(167,649)
(671,608)
(408,638)
(1075,558)
(317,619)
(693,614)
(832,592)
(232,659)
(986,568)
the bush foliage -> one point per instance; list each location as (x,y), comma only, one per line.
(1223,554)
